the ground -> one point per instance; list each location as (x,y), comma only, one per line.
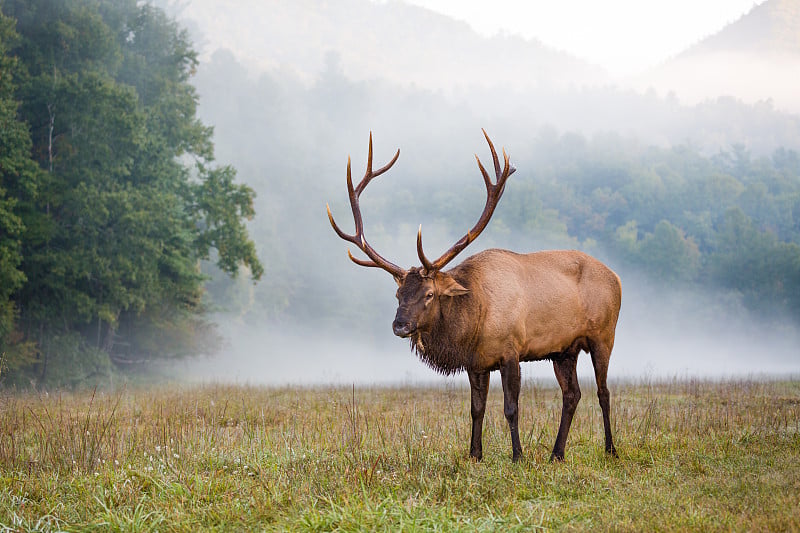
(693,455)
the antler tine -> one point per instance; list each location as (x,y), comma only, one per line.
(493,193)
(369,158)
(486,179)
(339,232)
(369,174)
(507,171)
(494,153)
(353,195)
(427,265)
(387,166)
(362,262)
(376,260)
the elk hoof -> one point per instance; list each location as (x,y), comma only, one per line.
(557,457)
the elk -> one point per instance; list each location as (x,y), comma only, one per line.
(498,308)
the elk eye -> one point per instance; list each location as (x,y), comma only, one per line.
(429,295)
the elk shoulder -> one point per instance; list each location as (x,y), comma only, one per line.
(540,304)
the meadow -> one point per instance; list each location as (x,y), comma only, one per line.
(693,456)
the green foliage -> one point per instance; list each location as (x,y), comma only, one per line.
(728,222)
(756,263)
(224,204)
(19,178)
(665,253)
(122,201)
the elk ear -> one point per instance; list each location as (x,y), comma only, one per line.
(398,280)
(448,286)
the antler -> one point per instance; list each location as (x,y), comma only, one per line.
(358,237)
(493,193)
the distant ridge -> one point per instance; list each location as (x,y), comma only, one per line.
(389,40)
(754,59)
(771,27)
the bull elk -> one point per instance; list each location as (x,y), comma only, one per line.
(498,308)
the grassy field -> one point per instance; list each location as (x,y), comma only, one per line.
(700,456)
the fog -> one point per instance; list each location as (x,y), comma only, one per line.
(684,336)
(601,32)
(749,76)
(293,88)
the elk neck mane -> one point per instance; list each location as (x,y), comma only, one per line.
(449,346)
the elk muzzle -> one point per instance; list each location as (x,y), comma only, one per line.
(402,325)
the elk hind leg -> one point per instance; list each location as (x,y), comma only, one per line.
(601,354)
(565,367)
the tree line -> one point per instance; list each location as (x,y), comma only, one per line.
(110,197)
(728,221)
(688,215)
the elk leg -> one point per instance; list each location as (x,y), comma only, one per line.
(479,387)
(566,374)
(600,357)
(509,372)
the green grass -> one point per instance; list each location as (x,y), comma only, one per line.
(702,456)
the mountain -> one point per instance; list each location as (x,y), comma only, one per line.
(772,27)
(391,66)
(369,40)
(755,59)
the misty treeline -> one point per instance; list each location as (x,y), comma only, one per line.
(110,197)
(685,216)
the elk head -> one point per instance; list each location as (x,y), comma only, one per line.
(419,297)
(421,290)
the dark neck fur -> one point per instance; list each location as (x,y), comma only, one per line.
(449,347)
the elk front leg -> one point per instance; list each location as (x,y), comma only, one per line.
(510,375)
(479,387)
(567,376)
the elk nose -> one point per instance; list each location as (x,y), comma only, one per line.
(402,328)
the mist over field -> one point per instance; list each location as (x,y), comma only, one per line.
(292,89)
(660,335)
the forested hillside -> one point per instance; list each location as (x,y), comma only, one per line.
(109,196)
(687,217)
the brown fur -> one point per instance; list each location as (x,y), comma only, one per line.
(515,307)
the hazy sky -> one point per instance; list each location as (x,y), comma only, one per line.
(623,36)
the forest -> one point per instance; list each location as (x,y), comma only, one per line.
(110,196)
(687,216)
(121,236)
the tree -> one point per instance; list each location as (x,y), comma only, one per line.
(130,201)
(18,180)
(764,270)
(668,254)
